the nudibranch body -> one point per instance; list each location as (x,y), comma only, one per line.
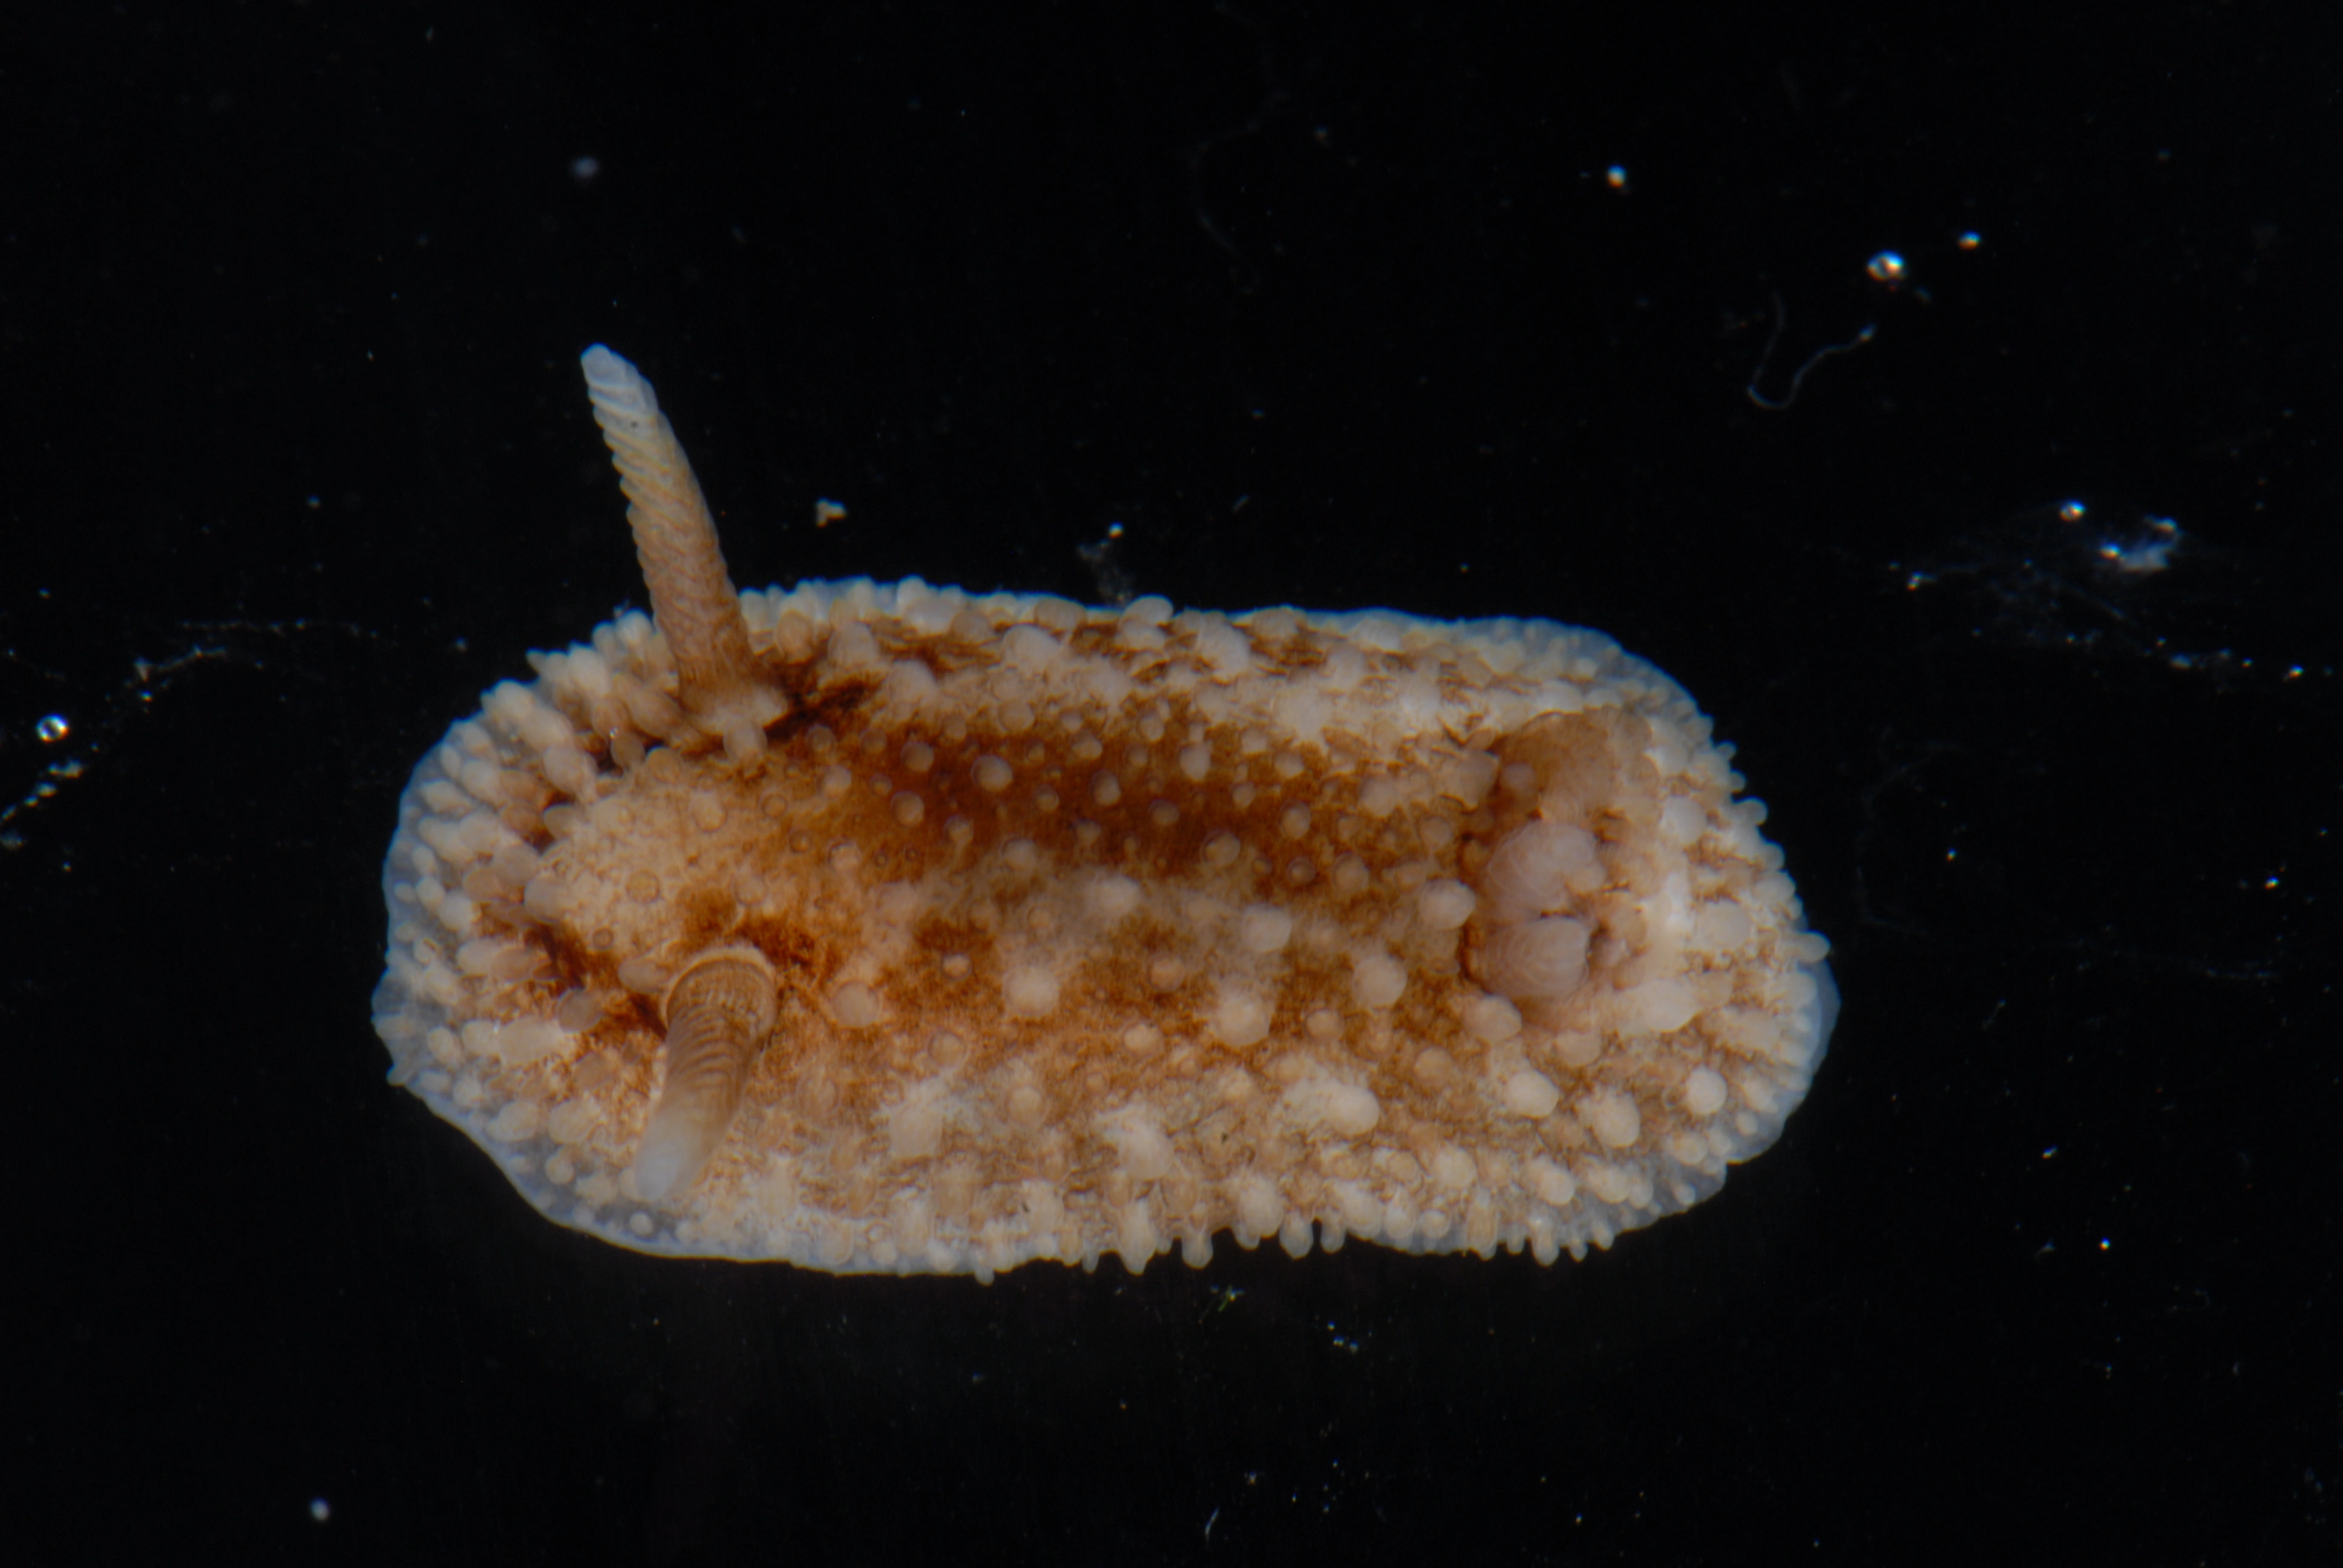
(898,929)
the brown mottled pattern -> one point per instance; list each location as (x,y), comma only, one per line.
(1098,930)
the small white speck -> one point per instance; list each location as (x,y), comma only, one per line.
(320,1510)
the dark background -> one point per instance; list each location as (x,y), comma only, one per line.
(1333,305)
